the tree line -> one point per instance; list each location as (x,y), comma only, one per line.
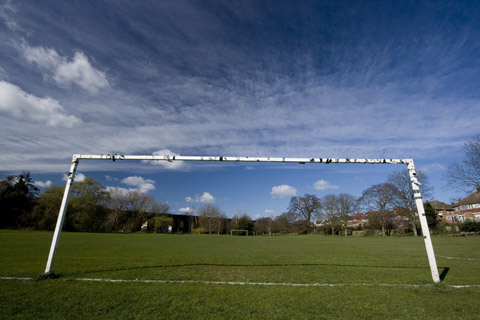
(94,208)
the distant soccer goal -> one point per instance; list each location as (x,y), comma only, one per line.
(113,157)
(238,232)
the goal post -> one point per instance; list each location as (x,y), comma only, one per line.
(170,158)
(236,231)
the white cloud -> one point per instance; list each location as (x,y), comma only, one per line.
(186,210)
(283,191)
(270,212)
(79,177)
(119,190)
(138,184)
(206,197)
(142,185)
(22,105)
(173,165)
(42,184)
(324,185)
(78,71)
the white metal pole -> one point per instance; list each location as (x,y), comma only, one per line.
(61,215)
(423,221)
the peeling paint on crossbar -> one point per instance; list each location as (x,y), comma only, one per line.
(170,158)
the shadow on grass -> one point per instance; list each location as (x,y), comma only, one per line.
(186,265)
(444,273)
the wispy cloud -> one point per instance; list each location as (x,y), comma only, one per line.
(283,191)
(7,11)
(194,91)
(432,167)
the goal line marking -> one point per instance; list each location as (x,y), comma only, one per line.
(458,258)
(242,283)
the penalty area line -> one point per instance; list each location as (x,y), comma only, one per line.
(247,283)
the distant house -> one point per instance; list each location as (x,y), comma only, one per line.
(357,220)
(468,209)
(444,212)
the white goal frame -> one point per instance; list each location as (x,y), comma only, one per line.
(232,231)
(409,162)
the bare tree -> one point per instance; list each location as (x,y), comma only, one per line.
(264,225)
(331,211)
(347,205)
(117,204)
(306,207)
(401,180)
(338,209)
(380,199)
(466,175)
(209,215)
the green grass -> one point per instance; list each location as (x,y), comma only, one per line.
(374,261)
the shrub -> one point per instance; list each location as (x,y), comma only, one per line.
(470,226)
(198,230)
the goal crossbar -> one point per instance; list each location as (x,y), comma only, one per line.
(170,158)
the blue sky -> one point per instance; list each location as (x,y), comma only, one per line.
(349,79)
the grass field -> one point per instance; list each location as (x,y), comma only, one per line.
(218,277)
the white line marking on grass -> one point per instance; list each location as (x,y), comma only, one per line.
(457,258)
(15,278)
(273,283)
(241,283)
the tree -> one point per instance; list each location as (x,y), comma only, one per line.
(306,207)
(431,215)
(139,208)
(282,223)
(17,199)
(466,175)
(117,204)
(160,222)
(264,225)
(88,206)
(245,223)
(210,217)
(330,209)
(401,180)
(380,199)
(338,208)
(45,212)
